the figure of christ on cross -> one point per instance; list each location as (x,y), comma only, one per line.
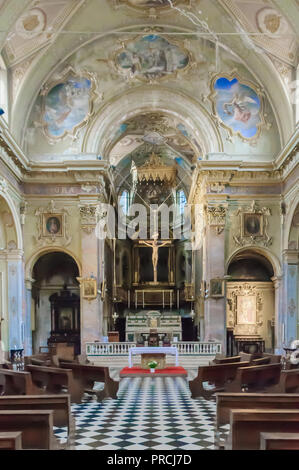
(155,247)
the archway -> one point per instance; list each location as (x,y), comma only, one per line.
(250,309)
(56,301)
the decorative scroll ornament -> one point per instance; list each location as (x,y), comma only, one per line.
(216,217)
(89,214)
(3,185)
(155,170)
(52,226)
(253,226)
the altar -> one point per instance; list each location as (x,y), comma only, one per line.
(139,326)
(149,353)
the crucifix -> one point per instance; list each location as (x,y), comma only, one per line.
(155,247)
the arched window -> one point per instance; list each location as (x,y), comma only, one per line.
(124,201)
(181,201)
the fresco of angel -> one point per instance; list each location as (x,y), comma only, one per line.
(238,106)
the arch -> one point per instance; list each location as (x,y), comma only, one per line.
(289,219)
(154,99)
(261,251)
(15,216)
(45,250)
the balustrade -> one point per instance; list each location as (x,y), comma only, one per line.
(185,348)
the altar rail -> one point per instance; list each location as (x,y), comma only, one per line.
(108,349)
(185,348)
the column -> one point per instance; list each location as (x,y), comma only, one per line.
(91,311)
(28,329)
(290,301)
(15,299)
(215,308)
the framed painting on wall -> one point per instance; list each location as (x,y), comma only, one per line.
(216,287)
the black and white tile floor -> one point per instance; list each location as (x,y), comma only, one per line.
(149,413)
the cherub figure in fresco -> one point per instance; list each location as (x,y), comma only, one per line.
(239,107)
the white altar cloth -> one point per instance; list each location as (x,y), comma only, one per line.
(172,350)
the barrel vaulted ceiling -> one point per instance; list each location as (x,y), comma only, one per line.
(257,39)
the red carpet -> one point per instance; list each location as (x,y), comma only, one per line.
(168,371)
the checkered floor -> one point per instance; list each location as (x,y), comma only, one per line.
(150,413)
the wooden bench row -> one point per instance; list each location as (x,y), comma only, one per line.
(250,414)
(34,416)
(70,378)
(240,376)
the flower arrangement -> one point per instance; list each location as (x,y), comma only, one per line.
(152,364)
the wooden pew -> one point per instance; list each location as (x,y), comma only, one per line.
(59,404)
(288,382)
(86,375)
(10,441)
(14,382)
(219,374)
(55,380)
(246,426)
(279,441)
(225,402)
(254,378)
(225,360)
(36,427)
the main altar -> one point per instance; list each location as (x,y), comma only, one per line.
(153,327)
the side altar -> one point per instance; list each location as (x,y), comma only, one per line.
(143,327)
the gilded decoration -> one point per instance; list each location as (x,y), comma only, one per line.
(151,58)
(253,226)
(151,7)
(238,106)
(52,226)
(216,217)
(155,170)
(67,104)
(245,310)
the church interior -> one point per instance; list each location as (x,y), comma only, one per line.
(149,224)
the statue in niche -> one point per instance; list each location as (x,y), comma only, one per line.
(153,322)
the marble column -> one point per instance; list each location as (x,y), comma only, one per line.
(15,299)
(215,308)
(290,301)
(28,329)
(92,255)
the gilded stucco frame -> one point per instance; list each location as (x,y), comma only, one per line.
(256,88)
(62,78)
(149,9)
(142,78)
(88,282)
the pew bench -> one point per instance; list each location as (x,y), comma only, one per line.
(246,426)
(218,374)
(279,441)
(36,427)
(10,441)
(288,382)
(255,378)
(85,375)
(225,402)
(59,404)
(55,380)
(14,382)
